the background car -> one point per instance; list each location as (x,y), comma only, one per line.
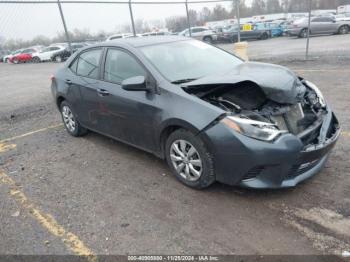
(318,25)
(231,34)
(201,33)
(343,17)
(6,58)
(63,54)
(46,53)
(118,36)
(24,56)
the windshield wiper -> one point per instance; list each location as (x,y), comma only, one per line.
(181,81)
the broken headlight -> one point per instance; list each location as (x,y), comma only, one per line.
(255,129)
(318,93)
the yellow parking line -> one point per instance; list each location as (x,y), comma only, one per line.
(4,147)
(30,133)
(47,221)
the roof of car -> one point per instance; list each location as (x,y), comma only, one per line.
(146,41)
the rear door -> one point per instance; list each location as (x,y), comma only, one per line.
(83,81)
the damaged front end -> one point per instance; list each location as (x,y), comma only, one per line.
(247,104)
(298,126)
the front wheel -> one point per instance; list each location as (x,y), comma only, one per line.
(189,159)
(343,30)
(303,33)
(15,61)
(70,121)
(36,59)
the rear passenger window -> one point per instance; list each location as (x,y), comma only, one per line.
(120,65)
(88,63)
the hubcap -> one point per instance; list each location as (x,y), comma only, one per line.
(186,160)
(58,59)
(68,118)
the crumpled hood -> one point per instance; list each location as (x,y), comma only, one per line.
(277,82)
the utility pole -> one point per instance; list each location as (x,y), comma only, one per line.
(132,19)
(188,19)
(64,26)
(238,21)
(308,32)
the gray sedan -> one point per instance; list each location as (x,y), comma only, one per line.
(319,25)
(210,115)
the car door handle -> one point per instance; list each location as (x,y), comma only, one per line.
(68,82)
(102,92)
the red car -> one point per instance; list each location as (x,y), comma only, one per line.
(24,56)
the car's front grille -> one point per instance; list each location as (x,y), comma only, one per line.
(254,172)
(299,169)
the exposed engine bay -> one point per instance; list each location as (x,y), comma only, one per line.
(248,100)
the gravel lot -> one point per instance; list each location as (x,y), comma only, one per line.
(92,195)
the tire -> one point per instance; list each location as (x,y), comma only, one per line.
(58,59)
(208,39)
(234,39)
(15,61)
(343,30)
(303,33)
(188,154)
(70,121)
(264,36)
(6,61)
(36,59)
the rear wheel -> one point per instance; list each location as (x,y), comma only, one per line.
(70,121)
(344,29)
(189,159)
(264,36)
(208,39)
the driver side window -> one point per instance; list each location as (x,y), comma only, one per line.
(120,65)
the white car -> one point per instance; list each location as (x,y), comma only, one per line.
(118,36)
(46,53)
(201,33)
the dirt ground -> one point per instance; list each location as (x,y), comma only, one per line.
(93,195)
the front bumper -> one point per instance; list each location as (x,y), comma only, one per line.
(240,160)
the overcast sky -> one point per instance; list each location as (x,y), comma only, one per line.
(28,20)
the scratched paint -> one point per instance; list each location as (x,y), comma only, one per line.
(71,241)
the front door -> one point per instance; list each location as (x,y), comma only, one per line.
(129,115)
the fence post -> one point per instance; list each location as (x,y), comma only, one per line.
(308,32)
(64,26)
(132,19)
(238,21)
(188,19)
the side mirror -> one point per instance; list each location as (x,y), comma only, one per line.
(135,83)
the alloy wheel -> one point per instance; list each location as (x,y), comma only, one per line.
(68,118)
(186,160)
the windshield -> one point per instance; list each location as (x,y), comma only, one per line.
(189,60)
